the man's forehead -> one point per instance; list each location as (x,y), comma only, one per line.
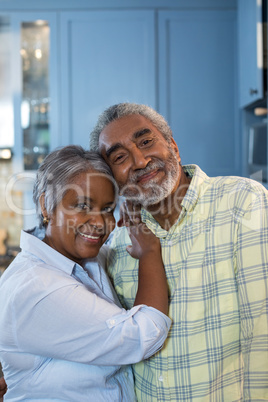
(127,126)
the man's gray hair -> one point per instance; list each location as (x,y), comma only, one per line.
(58,170)
(125,109)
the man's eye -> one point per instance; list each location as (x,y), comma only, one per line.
(119,158)
(147,141)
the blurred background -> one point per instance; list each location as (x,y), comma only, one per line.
(200,63)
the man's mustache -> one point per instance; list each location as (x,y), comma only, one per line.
(152,165)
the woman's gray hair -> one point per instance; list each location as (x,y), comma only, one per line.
(125,109)
(58,170)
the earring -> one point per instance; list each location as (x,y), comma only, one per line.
(45,220)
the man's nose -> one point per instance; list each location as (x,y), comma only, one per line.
(140,160)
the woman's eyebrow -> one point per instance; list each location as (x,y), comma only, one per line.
(84,198)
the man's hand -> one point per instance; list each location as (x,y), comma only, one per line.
(3,387)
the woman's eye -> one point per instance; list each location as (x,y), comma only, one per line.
(109,210)
(83,207)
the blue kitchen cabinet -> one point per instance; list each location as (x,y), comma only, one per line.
(107,57)
(198,86)
(250,50)
(178,58)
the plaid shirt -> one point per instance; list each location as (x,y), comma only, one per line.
(216,261)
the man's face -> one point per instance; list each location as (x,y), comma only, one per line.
(145,166)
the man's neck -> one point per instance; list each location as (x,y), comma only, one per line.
(167,212)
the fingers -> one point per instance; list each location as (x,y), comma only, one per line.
(129,214)
(129,249)
(138,229)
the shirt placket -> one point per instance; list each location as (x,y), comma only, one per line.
(162,379)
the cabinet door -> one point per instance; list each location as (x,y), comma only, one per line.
(35,83)
(107,57)
(198,86)
(35,97)
(250,46)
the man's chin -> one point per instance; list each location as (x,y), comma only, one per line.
(145,198)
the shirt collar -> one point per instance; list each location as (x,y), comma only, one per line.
(188,203)
(195,188)
(31,242)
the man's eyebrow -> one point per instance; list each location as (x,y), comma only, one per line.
(141,132)
(112,149)
(135,136)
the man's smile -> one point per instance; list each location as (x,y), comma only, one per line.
(148,176)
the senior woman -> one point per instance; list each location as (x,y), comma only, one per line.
(63,334)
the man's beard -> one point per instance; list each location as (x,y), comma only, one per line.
(151,193)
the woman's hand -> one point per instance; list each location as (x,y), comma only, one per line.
(3,387)
(129,213)
(143,240)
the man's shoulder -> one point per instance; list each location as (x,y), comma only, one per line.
(238,194)
(225,191)
(235,182)
(241,185)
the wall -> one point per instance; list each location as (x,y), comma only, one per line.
(68,116)
(59,5)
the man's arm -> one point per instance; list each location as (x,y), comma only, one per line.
(252,279)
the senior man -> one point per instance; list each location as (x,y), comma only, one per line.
(214,237)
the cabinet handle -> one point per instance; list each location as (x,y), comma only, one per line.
(260,111)
(253,91)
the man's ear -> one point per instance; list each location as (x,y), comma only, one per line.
(175,148)
(42,204)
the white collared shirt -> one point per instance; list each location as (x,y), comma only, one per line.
(63,333)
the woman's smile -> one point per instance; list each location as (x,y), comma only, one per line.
(91,237)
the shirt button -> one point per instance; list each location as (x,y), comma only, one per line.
(126,374)
(170,243)
(161,378)
(112,322)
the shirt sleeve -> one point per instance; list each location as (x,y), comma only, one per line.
(252,275)
(75,324)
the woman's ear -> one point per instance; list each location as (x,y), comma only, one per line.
(42,205)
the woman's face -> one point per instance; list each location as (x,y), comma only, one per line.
(83,220)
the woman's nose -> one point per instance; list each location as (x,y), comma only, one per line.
(97,220)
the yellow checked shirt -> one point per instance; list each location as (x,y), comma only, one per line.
(216,261)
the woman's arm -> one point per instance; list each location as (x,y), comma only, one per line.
(3,388)
(152,287)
